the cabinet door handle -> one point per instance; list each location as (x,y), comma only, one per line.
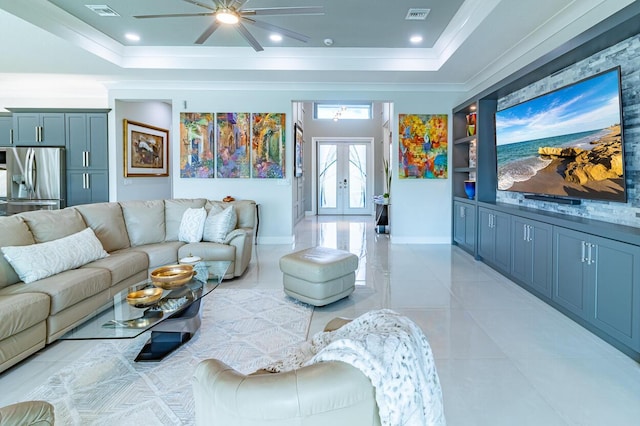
(88,181)
(462,212)
(524,232)
(583,257)
(529,239)
(86,153)
(37,133)
(11,136)
(590,260)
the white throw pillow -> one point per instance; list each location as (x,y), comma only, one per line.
(192,225)
(37,261)
(218,225)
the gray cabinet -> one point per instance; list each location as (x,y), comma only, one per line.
(85,186)
(38,129)
(597,279)
(464,225)
(494,238)
(531,254)
(6,132)
(87,158)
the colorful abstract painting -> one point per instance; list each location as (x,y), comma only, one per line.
(232,145)
(422,146)
(268,145)
(196,145)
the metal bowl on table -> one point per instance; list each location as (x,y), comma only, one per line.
(144,298)
(172,276)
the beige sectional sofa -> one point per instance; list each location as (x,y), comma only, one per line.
(138,235)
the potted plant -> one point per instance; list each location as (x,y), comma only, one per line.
(387,177)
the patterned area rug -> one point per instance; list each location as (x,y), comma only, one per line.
(246,329)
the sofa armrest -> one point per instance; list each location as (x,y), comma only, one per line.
(38,413)
(241,239)
(332,393)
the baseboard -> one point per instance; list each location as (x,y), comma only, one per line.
(420,240)
(275,240)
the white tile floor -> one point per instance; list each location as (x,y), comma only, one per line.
(503,356)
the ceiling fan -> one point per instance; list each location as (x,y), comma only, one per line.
(231,12)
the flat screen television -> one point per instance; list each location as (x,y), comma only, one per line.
(566,144)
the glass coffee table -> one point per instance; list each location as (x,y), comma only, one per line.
(173,320)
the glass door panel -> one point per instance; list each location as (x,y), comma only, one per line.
(342,178)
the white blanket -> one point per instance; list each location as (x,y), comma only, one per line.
(393,353)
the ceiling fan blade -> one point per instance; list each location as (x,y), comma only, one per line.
(272,11)
(285,32)
(207,32)
(197,3)
(174,15)
(236,4)
(247,36)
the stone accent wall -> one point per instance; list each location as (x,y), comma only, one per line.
(625,54)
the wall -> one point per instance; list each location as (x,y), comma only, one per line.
(421,210)
(624,54)
(154,113)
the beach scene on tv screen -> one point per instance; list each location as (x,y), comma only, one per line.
(566,143)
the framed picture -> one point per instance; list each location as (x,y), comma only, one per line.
(268,145)
(297,160)
(196,145)
(422,146)
(146,150)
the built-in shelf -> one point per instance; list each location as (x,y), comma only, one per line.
(467,140)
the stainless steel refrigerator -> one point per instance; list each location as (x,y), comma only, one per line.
(35,179)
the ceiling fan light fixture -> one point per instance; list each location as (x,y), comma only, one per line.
(227,16)
(275,37)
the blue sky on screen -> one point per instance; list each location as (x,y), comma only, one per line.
(592,104)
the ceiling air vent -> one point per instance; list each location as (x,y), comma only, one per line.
(102,9)
(415,14)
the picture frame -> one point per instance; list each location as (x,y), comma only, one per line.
(298,152)
(145,151)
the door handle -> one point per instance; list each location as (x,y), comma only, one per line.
(584,249)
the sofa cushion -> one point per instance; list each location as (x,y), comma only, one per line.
(192,225)
(218,225)
(18,312)
(48,225)
(122,265)
(66,288)
(13,232)
(173,211)
(160,254)
(144,221)
(37,261)
(107,222)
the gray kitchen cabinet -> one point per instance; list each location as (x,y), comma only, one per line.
(531,253)
(494,238)
(464,225)
(38,129)
(87,158)
(85,186)
(86,141)
(6,126)
(597,279)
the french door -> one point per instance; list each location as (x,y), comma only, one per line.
(343,169)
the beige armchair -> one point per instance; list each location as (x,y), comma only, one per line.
(329,393)
(30,413)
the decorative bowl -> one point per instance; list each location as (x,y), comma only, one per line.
(172,276)
(144,298)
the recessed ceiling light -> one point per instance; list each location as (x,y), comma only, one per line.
(416,39)
(132,37)
(275,37)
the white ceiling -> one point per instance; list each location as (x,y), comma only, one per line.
(467,43)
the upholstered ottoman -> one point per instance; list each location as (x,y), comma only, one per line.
(319,275)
